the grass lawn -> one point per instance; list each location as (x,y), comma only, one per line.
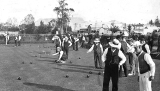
(30,67)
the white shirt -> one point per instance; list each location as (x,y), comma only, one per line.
(147,48)
(150,62)
(120,54)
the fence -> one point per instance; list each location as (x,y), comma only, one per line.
(29,38)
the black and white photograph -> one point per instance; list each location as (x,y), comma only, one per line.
(80,45)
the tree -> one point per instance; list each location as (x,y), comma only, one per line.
(28,24)
(156,21)
(29,19)
(29,28)
(42,29)
(151,22)
(63,14)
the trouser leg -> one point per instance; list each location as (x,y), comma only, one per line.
(15,42)
(125,69)
(73,45)
(114,77)
(145,83)
(106,79)
(99,61)
(76,46)
(120,71)
(67,51)
(95,60)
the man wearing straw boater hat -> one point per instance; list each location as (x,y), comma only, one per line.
(113,58)
(146,69)
(98,50)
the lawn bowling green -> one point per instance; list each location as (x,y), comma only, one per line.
(20,71)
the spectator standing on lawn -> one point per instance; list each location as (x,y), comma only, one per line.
(150,42)
(158,48)
(76,43)
(83,41)
(146,69)
(62,55)
(122,45)
(73,42)
(66,44)
(57,41)
(19,40)
(145,46)
(132,58)
(113,58)
(98,50)
(16,39)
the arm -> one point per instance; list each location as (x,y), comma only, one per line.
(60,41)
(104,55)
(90,49)
(55,54)
(61,53)
(149,60)
(138,69)
(147,48)
(70,43)
(121,55)
(101,48)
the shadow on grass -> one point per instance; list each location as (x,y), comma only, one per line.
(47,87)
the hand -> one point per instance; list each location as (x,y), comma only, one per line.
(151,78)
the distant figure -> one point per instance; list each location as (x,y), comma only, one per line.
(7,38)
(83,41)
(150,42)
(16,39)
(158,48)
(66,44)
(76,43)
(19,40)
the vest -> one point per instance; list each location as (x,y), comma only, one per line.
(97,48)
(143,66)
(66,44)
(143,48)
(112,57)
(57,42)
(124,47)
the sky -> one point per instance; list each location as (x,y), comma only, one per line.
(127,11)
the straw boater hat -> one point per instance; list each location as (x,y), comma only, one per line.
(97,40)
(114,43)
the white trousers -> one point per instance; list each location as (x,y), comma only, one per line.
(144,83)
